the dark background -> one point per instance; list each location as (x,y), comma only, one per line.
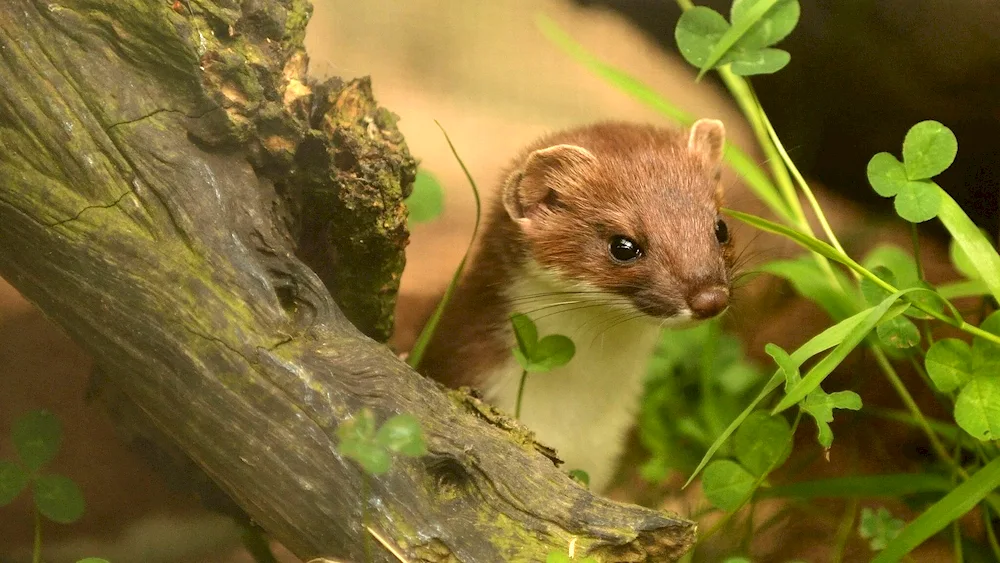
(862,73)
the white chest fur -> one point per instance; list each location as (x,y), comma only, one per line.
(585,408)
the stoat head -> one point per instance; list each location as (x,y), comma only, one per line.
(629,210)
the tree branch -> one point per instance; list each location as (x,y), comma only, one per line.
(157,168)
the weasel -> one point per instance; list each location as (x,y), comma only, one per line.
(604,234)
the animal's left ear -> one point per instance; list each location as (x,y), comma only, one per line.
(708,139)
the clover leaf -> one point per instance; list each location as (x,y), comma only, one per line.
(929,148)
(977,408)
(372,449)
(13,480)
(37,436)
(58,498)
(879,528)
(706,40)
(763,441)
(534,355)
(949,364)
(402,434)
(819,404)
(726,484)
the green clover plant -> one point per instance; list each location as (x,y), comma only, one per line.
(882,305)
(37,436)
(537,355)
(372,447)
(878,527)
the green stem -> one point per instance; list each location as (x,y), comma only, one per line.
(844,530)
(740,89)
(742,93)
(366,489)
(36,554)
(520,393)
(915,236)
(753,489)
(803,185)
(918,416)
(956,530)
(991,535)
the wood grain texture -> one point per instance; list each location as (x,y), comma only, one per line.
(183,201)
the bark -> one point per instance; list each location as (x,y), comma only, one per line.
(159,167)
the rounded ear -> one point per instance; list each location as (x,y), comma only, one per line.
(537,184)
(708,138)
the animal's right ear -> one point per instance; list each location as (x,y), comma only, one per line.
(546,173)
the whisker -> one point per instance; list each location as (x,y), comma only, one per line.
(587,306)
(621,319)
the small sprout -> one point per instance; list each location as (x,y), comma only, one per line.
(580,476)
(534,355)
(818,403)
(37,436)
(879,528)
(372,449)
(93,560)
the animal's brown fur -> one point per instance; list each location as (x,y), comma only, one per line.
(566,195)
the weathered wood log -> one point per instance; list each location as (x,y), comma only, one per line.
(158,164)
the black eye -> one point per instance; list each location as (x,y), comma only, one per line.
(624,249)
(721,231)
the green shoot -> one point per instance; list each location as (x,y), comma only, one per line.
(534,355)
(424,338)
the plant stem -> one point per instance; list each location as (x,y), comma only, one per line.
(991,536)
(916,250)
(366,491)
(844,530)
(753,489)
(520,393)
(36,554)
(773,151)
(918,416)
(957,538)
(256,544)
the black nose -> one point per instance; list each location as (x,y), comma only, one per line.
(707,302)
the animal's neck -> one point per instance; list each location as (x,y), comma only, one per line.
(584,408)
